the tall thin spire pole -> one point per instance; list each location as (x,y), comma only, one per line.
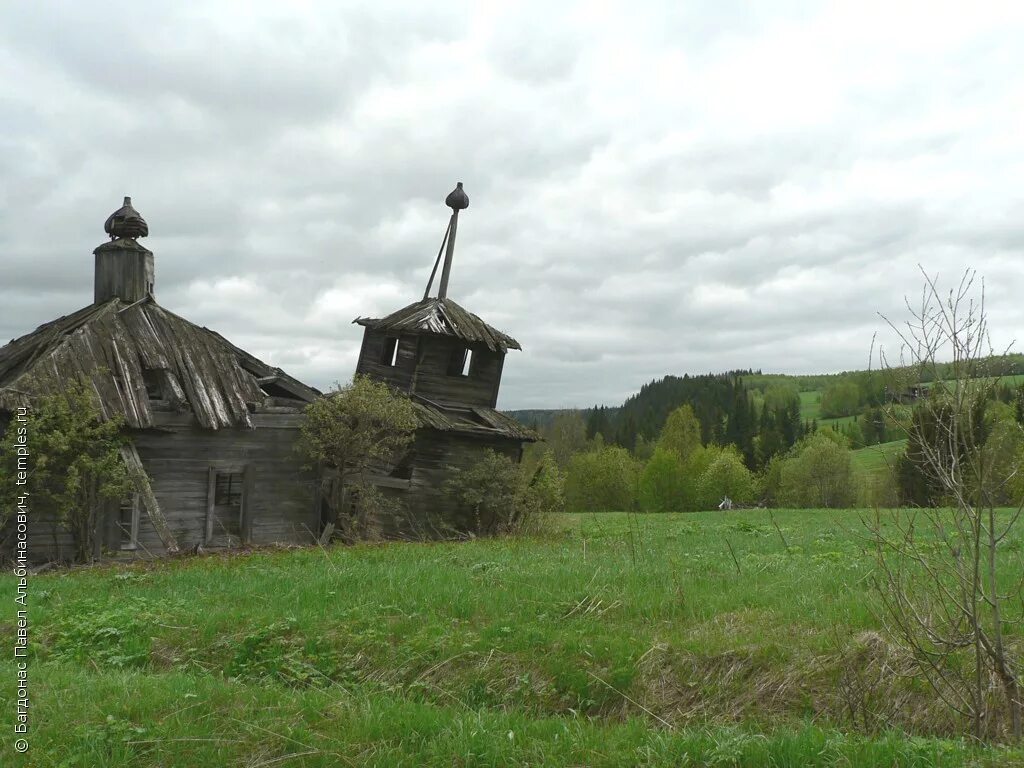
(457,200)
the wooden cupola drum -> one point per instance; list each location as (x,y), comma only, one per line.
(124,268)
(209,430)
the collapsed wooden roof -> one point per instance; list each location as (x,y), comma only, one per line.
(444,317)
(118,349)
(470,420)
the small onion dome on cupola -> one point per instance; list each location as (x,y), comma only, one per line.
(126,222)
(457,199)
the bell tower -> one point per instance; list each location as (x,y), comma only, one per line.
(436,350)
(124,268)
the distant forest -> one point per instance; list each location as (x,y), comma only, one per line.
(765,414)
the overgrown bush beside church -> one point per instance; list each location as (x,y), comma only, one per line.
(76,463)
(502,498)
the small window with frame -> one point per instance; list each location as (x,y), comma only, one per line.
(228,490)
(389,355)
(128,522)
(461,362)
(226,504)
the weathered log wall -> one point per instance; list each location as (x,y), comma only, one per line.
(480,387)
(280,505)
(422,368)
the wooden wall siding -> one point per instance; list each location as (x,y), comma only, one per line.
(399,375)
(480,387)
(422,368)
(109,345)
(279,493)
(280,503)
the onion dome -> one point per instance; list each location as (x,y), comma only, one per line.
(457,199)
(127,222)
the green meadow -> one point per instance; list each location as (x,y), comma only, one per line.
(724,639)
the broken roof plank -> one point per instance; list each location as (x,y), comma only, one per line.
(443,317)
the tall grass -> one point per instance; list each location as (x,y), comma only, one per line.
(618,640)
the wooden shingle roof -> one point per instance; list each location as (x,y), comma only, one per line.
(470,420)
(443,317)
(110,345)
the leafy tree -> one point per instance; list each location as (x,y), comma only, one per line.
(873,426)
(841,398)
(547,483)
(769,443)
(566,436)
(693,469)
(1002,454)
(681,433)
(771,480)
(726,475)
(76,462)
(853,434)
(818,474)
(364,425)
(644,449)
(663,486)
(782,396)
(602,480)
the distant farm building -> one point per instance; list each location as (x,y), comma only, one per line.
(213,427)
(449,362)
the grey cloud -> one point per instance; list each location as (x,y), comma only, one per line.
(638,207)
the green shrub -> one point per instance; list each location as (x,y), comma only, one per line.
(500,498)
(726,475)
(663,483)
(602,480)
(76,462)
(819,473)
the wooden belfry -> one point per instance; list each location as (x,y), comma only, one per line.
(449,362)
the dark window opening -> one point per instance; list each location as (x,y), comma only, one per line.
(461,362)
(228,491)
(389,356)
(154,389)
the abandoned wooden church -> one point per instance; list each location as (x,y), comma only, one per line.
(449,362)
(212,426)
(215,429)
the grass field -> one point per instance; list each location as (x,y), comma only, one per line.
(704,639)
(810,405)
(810,410)
(876,457)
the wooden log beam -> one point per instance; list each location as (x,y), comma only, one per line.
(140,480)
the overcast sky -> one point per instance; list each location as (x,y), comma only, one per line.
(655,187)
